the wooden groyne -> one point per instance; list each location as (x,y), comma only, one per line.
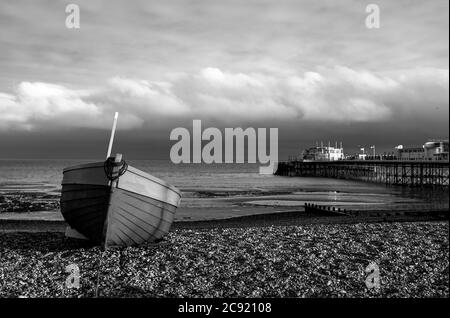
(324,210)
(383,215)
(389,172)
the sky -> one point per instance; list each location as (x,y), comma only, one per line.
(312,69)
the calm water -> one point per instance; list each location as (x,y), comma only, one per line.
(46,175)
(40,173)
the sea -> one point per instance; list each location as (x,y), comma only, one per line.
(229,185)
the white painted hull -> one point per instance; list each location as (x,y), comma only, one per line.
(137,208)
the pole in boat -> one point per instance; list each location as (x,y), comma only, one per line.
(118,158)
(113,131)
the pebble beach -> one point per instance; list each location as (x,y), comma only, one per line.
(317,260)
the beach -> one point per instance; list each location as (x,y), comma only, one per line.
(320,260)
(236,234)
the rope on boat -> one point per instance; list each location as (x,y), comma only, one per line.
(114,170)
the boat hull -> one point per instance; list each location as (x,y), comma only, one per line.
(134,209)
(85,208)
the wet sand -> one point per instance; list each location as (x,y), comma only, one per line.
(202,205)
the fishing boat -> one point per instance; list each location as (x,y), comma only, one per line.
(115,204)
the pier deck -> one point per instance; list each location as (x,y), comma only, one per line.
(390,172)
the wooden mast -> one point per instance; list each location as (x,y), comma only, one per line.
(113,131)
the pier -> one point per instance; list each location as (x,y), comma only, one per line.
(412,173)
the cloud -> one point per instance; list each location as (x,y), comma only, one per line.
(44,105)
(338,94)
(152,38)
(148,101)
